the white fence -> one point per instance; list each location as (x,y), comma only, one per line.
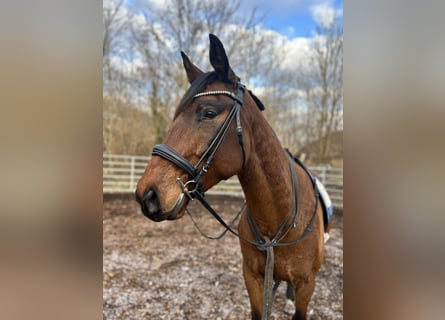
(122,172)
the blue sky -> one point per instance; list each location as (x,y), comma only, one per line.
(292,18)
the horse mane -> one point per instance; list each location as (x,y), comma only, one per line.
(258,102)
(198,86)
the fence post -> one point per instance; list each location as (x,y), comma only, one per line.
(323,175)
(132,174)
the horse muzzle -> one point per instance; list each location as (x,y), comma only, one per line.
(151,207)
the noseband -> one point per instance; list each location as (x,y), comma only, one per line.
(193,186)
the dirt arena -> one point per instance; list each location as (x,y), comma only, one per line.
(169,271)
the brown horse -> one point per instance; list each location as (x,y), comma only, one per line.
(218,131)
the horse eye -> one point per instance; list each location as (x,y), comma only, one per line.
(209,114)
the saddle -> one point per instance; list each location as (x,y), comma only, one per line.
(328,208)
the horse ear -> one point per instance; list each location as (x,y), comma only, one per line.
(192,71)
(219,61)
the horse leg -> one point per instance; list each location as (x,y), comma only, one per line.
(290,294)
(303,294)
(290,298)
(254,285)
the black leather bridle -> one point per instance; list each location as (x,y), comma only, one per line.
(192,188)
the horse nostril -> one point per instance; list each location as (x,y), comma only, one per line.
(151,202)
(149,194)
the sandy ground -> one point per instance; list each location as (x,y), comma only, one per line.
(169,271)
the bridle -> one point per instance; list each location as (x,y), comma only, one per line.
(192,188)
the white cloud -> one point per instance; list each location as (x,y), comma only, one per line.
(158,4)
(297,52)
(324,12)
(138,21)
(294,52)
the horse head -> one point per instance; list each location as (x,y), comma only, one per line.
(208,141)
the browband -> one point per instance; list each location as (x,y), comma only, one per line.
(220,92)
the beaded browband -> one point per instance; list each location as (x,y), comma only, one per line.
(219,92)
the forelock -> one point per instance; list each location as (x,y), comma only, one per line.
(197,86)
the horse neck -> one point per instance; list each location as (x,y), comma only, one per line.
(266,179)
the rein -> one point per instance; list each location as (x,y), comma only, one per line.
(261,242)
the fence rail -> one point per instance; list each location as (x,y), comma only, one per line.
(122,172)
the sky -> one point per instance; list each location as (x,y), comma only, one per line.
(293,18)
(294,21)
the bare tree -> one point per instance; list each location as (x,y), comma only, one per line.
(146,41)
(113,23)
(182,25)
(149,76)
(322,83)
(125,127)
